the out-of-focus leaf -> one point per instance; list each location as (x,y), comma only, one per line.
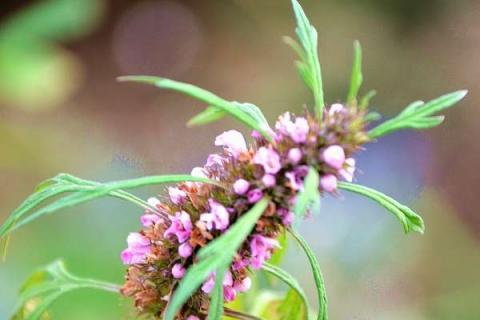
(292,307)
(295,290)
(246,113)
(365,100)
(409,219)
(216,256)
(418,115)
(317,276)
(210,114)
(46,285)
(357,77)
(215,309)
(309,197)
(308,65)
(279,253)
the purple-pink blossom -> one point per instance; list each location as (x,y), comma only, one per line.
(269,180)
(241,186)
(185,250)
(178,271)
(181,227)
(208,285)
(297,130)
(348,171)
(334,156)
(149,219)
(334,108)
(233,141)
(261,248)
(295,177)
(177,196)
(254,195)
(328,183)
(244,285)
(268,159)
(138,247)
(218,216)
(294,155)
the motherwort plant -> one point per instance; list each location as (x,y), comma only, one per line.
(199,249)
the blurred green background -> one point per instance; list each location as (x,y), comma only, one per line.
(61,110)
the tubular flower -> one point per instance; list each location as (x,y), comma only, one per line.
(160,255)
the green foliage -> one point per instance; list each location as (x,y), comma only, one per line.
(82,191)
(365,100)
(418,115)
(296,300)
(308,64)
(210,114)
(216,256)
(246,113)
(317,275)
(46,285)
(409,219)
(215,309)
(309,197)
(357,77)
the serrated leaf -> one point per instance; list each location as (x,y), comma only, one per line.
(216,255)
(309,65)
(418,115)
(309,197)
(357,77)
(408,218)
(83,191)
(248,114)
(209,115)
(48,284)
(317,276)
(298,292)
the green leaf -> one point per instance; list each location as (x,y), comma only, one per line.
(216,256)
(357,77)
(210,114)
(280,252)
(215,309)
(309,197)
(317,276)
(83,191)
(292,307)
(307,50)
(246,113)
(409,219)
(418,115)
(366,99)
(297,291)
(46,285)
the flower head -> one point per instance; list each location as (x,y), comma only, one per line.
(233,141)
(268,159)
(181,227)
(138,247)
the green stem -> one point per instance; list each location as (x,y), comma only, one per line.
(317,275)
(239,315)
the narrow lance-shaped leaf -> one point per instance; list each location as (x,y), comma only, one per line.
(357,77)
(418,115)
(291,282)
(83,191)
(215,309)
(309,197)
(308,65)
(248,114)
(210,114)
(47,284)
(317,276)
(216,256)
(409,219)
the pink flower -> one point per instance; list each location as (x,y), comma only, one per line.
(138,248)
(261,248)
(178,271)
(215,160)
(286,215)
(297,130)
(229,293)
(244,285)
(181,227)
(193,318)
(348,172)
(239,264)
(228,279)
(295,177)
(233,142)
(334,156)
(154,202)
(199,172)
(185,250)
(269,159)
(177,196)
(208,285)
(218,216)
(294,155)
(254,195)
(328,183)
(241,186)
(334,108)
(148,220)
(269,180)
